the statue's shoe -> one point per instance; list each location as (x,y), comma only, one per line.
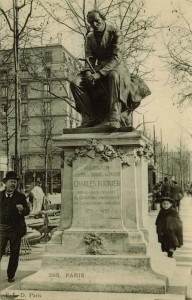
(88,123)
(115,124)
(104,123)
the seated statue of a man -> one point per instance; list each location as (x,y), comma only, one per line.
(102,90)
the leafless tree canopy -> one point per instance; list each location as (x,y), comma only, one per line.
(129,15)
(178,40)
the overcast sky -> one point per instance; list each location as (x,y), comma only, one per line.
(174,122)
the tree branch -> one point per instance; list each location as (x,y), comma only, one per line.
(59,21)
(26,21)
(143,123)
(8,22)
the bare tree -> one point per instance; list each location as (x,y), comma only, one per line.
(178,39)
(39,69)
(7,109)
(46,135)
(129,15)
(17,31)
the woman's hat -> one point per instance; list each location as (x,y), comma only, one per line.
(10,175)
(167,199)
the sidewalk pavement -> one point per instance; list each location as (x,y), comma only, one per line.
(178,285)
(183,255)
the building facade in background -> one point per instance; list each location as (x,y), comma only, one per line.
(46,107)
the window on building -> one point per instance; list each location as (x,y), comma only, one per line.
(46,90)
(3,74)
(4,91)
(8,57)
(3,128)
(23,66)
(24,109)
(48,72)
(4,107)
(24,62)
(24,92)
(48,56)
(5,57)
(24,129)
(47,108)
(24,145)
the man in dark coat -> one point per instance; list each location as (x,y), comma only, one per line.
(176,193)
(101,91)
(13,208)
(165,188)
(169,227)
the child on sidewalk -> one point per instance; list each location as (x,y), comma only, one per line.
(169,227)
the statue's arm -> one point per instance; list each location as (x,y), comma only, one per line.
(90,55)
(117,48)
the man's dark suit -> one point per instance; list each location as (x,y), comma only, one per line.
(13,229)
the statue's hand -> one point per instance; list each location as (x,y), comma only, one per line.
(92,79)
(87,74)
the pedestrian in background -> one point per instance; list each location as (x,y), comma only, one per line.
(157,193)
(38,198)
(187,188)
(169,227)
(2,186)
(13,209)
(165,188)
(176,193)
(190,190)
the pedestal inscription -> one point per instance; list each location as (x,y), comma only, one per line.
(96,192)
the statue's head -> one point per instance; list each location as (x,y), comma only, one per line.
(96,20)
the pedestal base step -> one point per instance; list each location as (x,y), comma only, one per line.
(50,295)
(96,273)
(122,281)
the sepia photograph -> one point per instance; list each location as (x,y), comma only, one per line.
(95,149)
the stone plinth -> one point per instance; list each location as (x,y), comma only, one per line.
(101,244)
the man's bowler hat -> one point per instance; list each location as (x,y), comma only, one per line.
(10,175)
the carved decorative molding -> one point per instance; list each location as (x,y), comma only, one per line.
(145,151)
(94,148)
(94,243)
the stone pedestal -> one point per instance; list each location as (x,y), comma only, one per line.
(101,244)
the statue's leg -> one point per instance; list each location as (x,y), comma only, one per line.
(83,101)
(115,105)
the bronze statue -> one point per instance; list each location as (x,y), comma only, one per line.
(104,90)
